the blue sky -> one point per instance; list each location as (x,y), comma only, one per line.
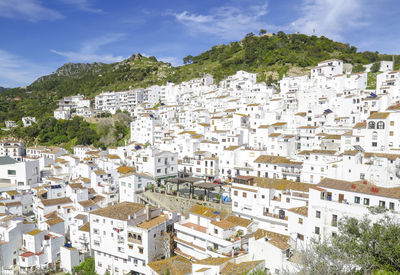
(38,36)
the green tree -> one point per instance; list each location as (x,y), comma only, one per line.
(262,31)
(87,267)
(250,34)
(358,68)
(188,59)
(375,67)
(361,247)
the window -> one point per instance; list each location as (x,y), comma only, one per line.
(300,236)
(244,195)
(263,196)
(318,214)
(374,144)
(11,172)
(371,125)
(381,203)
(392,123)
(235,204)
(141,250)
(316,230)
(215,231)
(357,200)
(300,221)
(334,220)
(391,133)
(287,199)
(380,125)
(374,135)
(255,196)
(235,193)
(391,205)
(366,201)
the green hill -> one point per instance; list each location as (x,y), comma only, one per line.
(277,53)
(2,89)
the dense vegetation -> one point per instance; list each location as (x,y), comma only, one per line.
(360,247)
(278,53)
(270,56)
(87,267)
(68,133)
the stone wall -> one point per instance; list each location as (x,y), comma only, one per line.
(180,204)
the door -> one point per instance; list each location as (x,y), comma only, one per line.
(341,198)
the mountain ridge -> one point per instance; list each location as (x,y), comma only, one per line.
(270,57)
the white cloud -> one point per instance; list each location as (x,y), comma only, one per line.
(89,50)
(228,22)
(15,71)
(31,10)
(84,5)
(330,18)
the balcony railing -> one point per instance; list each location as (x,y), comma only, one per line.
(275,216)
(132,240)
(287,171)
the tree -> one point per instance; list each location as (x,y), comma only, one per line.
(358,68)
(360,247)
(250,34)
(87,267)
(188,59)
(162,246)
(375,67)
(262,31)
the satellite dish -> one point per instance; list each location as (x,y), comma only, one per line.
(398,173)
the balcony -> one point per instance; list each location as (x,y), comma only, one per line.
(134,238)
(192,245)
(275,216)
(290,171)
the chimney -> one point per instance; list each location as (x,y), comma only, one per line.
(147,212)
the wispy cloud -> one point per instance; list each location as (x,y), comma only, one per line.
(84,5)
(330,18)
(228,22)
(31,10)
(15,71)
(89,51)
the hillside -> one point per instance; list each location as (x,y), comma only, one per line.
(280,53)
(2,89)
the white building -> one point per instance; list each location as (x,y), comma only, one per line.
(126,236)
(210,232)
(21,174)
(12,148)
